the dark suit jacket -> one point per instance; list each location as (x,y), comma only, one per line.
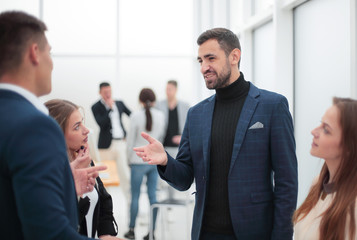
(262,180)
(101,115)
(103,219)
(38,198)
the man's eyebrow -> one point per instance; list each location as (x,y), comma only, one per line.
(209,55)
(206,56)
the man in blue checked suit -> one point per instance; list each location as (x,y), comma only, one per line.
(238,146)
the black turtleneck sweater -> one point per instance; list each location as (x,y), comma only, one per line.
(228,106)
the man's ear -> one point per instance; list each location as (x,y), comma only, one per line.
(235,56)
(34,53)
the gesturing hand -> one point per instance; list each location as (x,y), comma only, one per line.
(84,178)
(153,153)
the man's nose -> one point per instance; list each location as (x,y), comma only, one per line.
(205,67)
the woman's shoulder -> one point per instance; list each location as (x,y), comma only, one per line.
(137,114)
(157,112)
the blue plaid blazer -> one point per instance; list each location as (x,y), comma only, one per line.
(262,181)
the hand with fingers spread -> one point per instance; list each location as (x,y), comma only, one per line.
(84,178)
(153,153)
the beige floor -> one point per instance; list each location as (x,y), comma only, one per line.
(176,221)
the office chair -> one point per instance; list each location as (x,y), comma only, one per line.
(166,204)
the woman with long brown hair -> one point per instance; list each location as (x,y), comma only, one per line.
(96,207)
(329,211)
(150,120)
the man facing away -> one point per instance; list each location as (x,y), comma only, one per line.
(111,143)
(238,145)
(38,195)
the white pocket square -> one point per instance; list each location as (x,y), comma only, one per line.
(257,125)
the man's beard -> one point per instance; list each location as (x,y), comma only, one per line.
(222,78)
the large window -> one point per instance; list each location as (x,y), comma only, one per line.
(81,27)
(263,56)
(322,70)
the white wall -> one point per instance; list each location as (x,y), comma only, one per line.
(116,41)
(308,54)
(129,46)
(263,57)
(322,70)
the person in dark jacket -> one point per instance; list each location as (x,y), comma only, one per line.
(96,207)
(111,143)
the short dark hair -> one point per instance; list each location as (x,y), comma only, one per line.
(103,84)
(226,39)
(173,82)
(17,30)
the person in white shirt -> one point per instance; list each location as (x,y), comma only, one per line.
(111,143)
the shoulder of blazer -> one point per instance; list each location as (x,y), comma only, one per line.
(254,92)
(98,105)
(265,95)
(120,105)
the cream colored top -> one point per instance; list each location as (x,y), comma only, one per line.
(309,227)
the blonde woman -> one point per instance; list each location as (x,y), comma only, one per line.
(96,207)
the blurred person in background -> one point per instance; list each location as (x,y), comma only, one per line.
(175,112)
(150,120)
(111,143)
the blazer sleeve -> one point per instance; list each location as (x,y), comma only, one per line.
(107,224)
(124,108)
(284,164)
(101,115)
(42,181)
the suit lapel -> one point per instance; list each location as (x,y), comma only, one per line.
(246,115)
(206,119)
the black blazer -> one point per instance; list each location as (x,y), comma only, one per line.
(101,115)
(103,219)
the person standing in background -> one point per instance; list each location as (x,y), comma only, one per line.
(38,195)
(329,212)
(150,120)
(238,146)
(111,143)
(175,112)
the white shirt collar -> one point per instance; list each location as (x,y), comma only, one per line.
(26,94)
(105,104)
